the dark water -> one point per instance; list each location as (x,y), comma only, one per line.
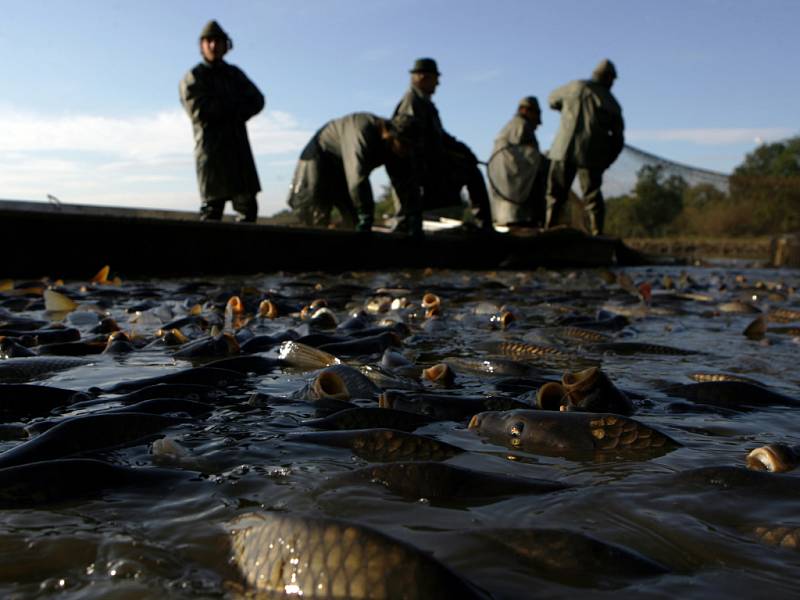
(173,541)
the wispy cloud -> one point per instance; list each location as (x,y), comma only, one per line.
(152,136)
(718,136)
(134,161)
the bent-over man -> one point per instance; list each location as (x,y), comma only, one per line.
(219,99)
(588,141)
(440,164)
(517,170)
(334,167)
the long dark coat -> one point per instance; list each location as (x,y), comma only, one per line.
(219,99)
(591,130)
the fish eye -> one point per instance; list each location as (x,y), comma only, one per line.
(516,428)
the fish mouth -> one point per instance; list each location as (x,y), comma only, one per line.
(551,396)
(329,385)
(431,301)
(268,309)
(385,401)
(582,380)
(775,458)
(440,373)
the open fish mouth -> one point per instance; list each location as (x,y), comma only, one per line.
(776,458)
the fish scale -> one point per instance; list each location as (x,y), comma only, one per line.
(314,557)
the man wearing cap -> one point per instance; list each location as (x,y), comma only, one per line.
(517,170)
(588,141)
(219,99)
(441,164)
(333,170)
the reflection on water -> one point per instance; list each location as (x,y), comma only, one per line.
(703,536)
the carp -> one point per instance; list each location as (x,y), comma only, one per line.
(574,558)
(45,336)
(260,365)
(588,390)
(221,345)
(162,406)
(56,481)
(446,407)
(364,345)
(738,478)
(491,366)
(630,348)
(560,433)
(783,315)
(444,482)
(785,537)
(381,445)
(369,417)
(530,351)
(301,356)
(197,375)
(32,400)
(10,348)
(734,395)
(16,370)
(338,382)
(200,393)
(79,348)
(262,343)
(703,377)
(315,557)
(777,458)
(88,433)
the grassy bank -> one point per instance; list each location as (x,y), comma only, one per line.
(757,248)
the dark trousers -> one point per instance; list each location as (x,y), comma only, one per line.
(244,204)
(441,183)
(559,182)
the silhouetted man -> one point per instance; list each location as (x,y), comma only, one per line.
(440,165)
(588,141)
(334,167)
(220,99)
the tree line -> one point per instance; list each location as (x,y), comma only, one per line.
(763,199)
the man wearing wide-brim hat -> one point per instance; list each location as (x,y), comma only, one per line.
(220,99)
(589,140)
(441,165)
(334,168)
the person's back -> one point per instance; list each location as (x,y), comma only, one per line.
(219,99)
(334,168)
(589,139)
(590,133)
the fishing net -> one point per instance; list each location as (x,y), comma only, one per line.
(620,178)
(509,169)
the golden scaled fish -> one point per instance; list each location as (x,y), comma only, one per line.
(444,482)
(783,315)
(312,557)
(565,433)
(574,558)
(784,537)
(366,417)
(630,348)
(735,395)
(381,445)
(703,377)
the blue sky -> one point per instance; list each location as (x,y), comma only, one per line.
(89,108)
